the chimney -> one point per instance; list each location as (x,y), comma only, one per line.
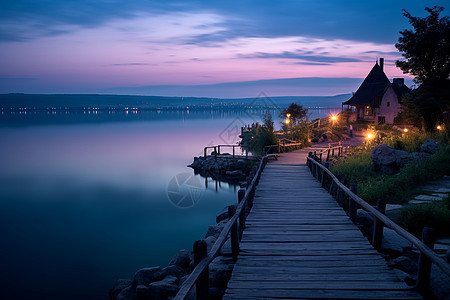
(381,63)
(398,81)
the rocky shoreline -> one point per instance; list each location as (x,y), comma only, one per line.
(157,283)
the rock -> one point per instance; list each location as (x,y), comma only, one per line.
(439,284)
(210,240)
(127,294)
(174,271)
(223,215)
(429,146)
(182,259)
(393,244)
(146,275)
(384,159)
(161,290)
(407,278)
(142,292)
(405,264)
(118,287)
(447,255)
(219,272)
(237,173)
(366,219)
(419,155)
(402,158)
(213,231)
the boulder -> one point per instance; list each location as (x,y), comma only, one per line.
(118,287)
(174,271)
(161,290)
(127,294)
(393,244)
(146,275)
(223,215)
(143,292)
(366,219)
(213,231)
(219,272)
(210,240)
(429,146)
(182,259)
(388,160)
(405,264)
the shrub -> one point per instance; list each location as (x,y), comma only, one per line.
(437,215)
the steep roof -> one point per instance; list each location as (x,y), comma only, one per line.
(374,85)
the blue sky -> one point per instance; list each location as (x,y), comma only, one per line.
(288,47)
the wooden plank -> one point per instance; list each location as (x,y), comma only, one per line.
(299,244)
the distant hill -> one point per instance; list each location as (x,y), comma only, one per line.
(98,101)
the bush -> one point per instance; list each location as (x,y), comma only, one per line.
(437,215)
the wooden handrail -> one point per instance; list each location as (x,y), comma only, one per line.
(213,253)
(443,265)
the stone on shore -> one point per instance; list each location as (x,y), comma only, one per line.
(393,244)
(147,275)
(118,287)
(429,146)
(161,290)
(128,293)
(182,259)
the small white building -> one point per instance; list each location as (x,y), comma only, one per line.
(377,100)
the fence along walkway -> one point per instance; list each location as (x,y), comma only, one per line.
(299,244)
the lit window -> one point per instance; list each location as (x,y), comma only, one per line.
(368,111)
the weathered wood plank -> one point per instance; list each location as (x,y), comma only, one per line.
(300,244)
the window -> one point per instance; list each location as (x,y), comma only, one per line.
(381,120)
(388,104)
(368,111)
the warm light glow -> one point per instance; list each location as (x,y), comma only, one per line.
(287,121)
(370,136)
(333,117)
(288,115)
(405,130)
(439,127)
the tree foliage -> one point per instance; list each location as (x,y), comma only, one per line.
(296,113)
(426,48)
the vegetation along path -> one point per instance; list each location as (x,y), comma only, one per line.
(299,244)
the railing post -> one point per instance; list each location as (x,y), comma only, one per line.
(218,149)
(205,149)
(328,154)
(234,233)
(352,203)
(233,151)
(215,153)
(241,194)
(423,273)
(202,285)
(377,237)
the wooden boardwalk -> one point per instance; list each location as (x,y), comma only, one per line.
(300,244)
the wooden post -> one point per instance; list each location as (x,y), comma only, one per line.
(233,151)
(241,194)
(202,285)
(332,152)
(423,274)
(218,149)
(377,237)
(351,203)
(215,153)
(234,233)
(205,151)
(328,154)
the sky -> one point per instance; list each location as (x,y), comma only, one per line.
(199,48)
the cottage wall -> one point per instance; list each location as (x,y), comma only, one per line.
(389,107)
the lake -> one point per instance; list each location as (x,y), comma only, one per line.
(87,196)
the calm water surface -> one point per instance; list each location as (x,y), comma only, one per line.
(84,195)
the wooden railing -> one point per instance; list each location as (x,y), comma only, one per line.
(281,145)
(348,199)
(217,149)
(330,151)
(235,226)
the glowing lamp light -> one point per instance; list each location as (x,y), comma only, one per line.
(288,115)
(333,117)
(370,136)
(287,121)
(405,130)
(439,127)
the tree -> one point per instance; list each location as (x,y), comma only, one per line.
(427,47)
(295,112)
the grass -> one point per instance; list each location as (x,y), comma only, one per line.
(436,215)
(397,188)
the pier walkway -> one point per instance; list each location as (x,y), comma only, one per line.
(300,244)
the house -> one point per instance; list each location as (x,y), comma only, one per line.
(377,100)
